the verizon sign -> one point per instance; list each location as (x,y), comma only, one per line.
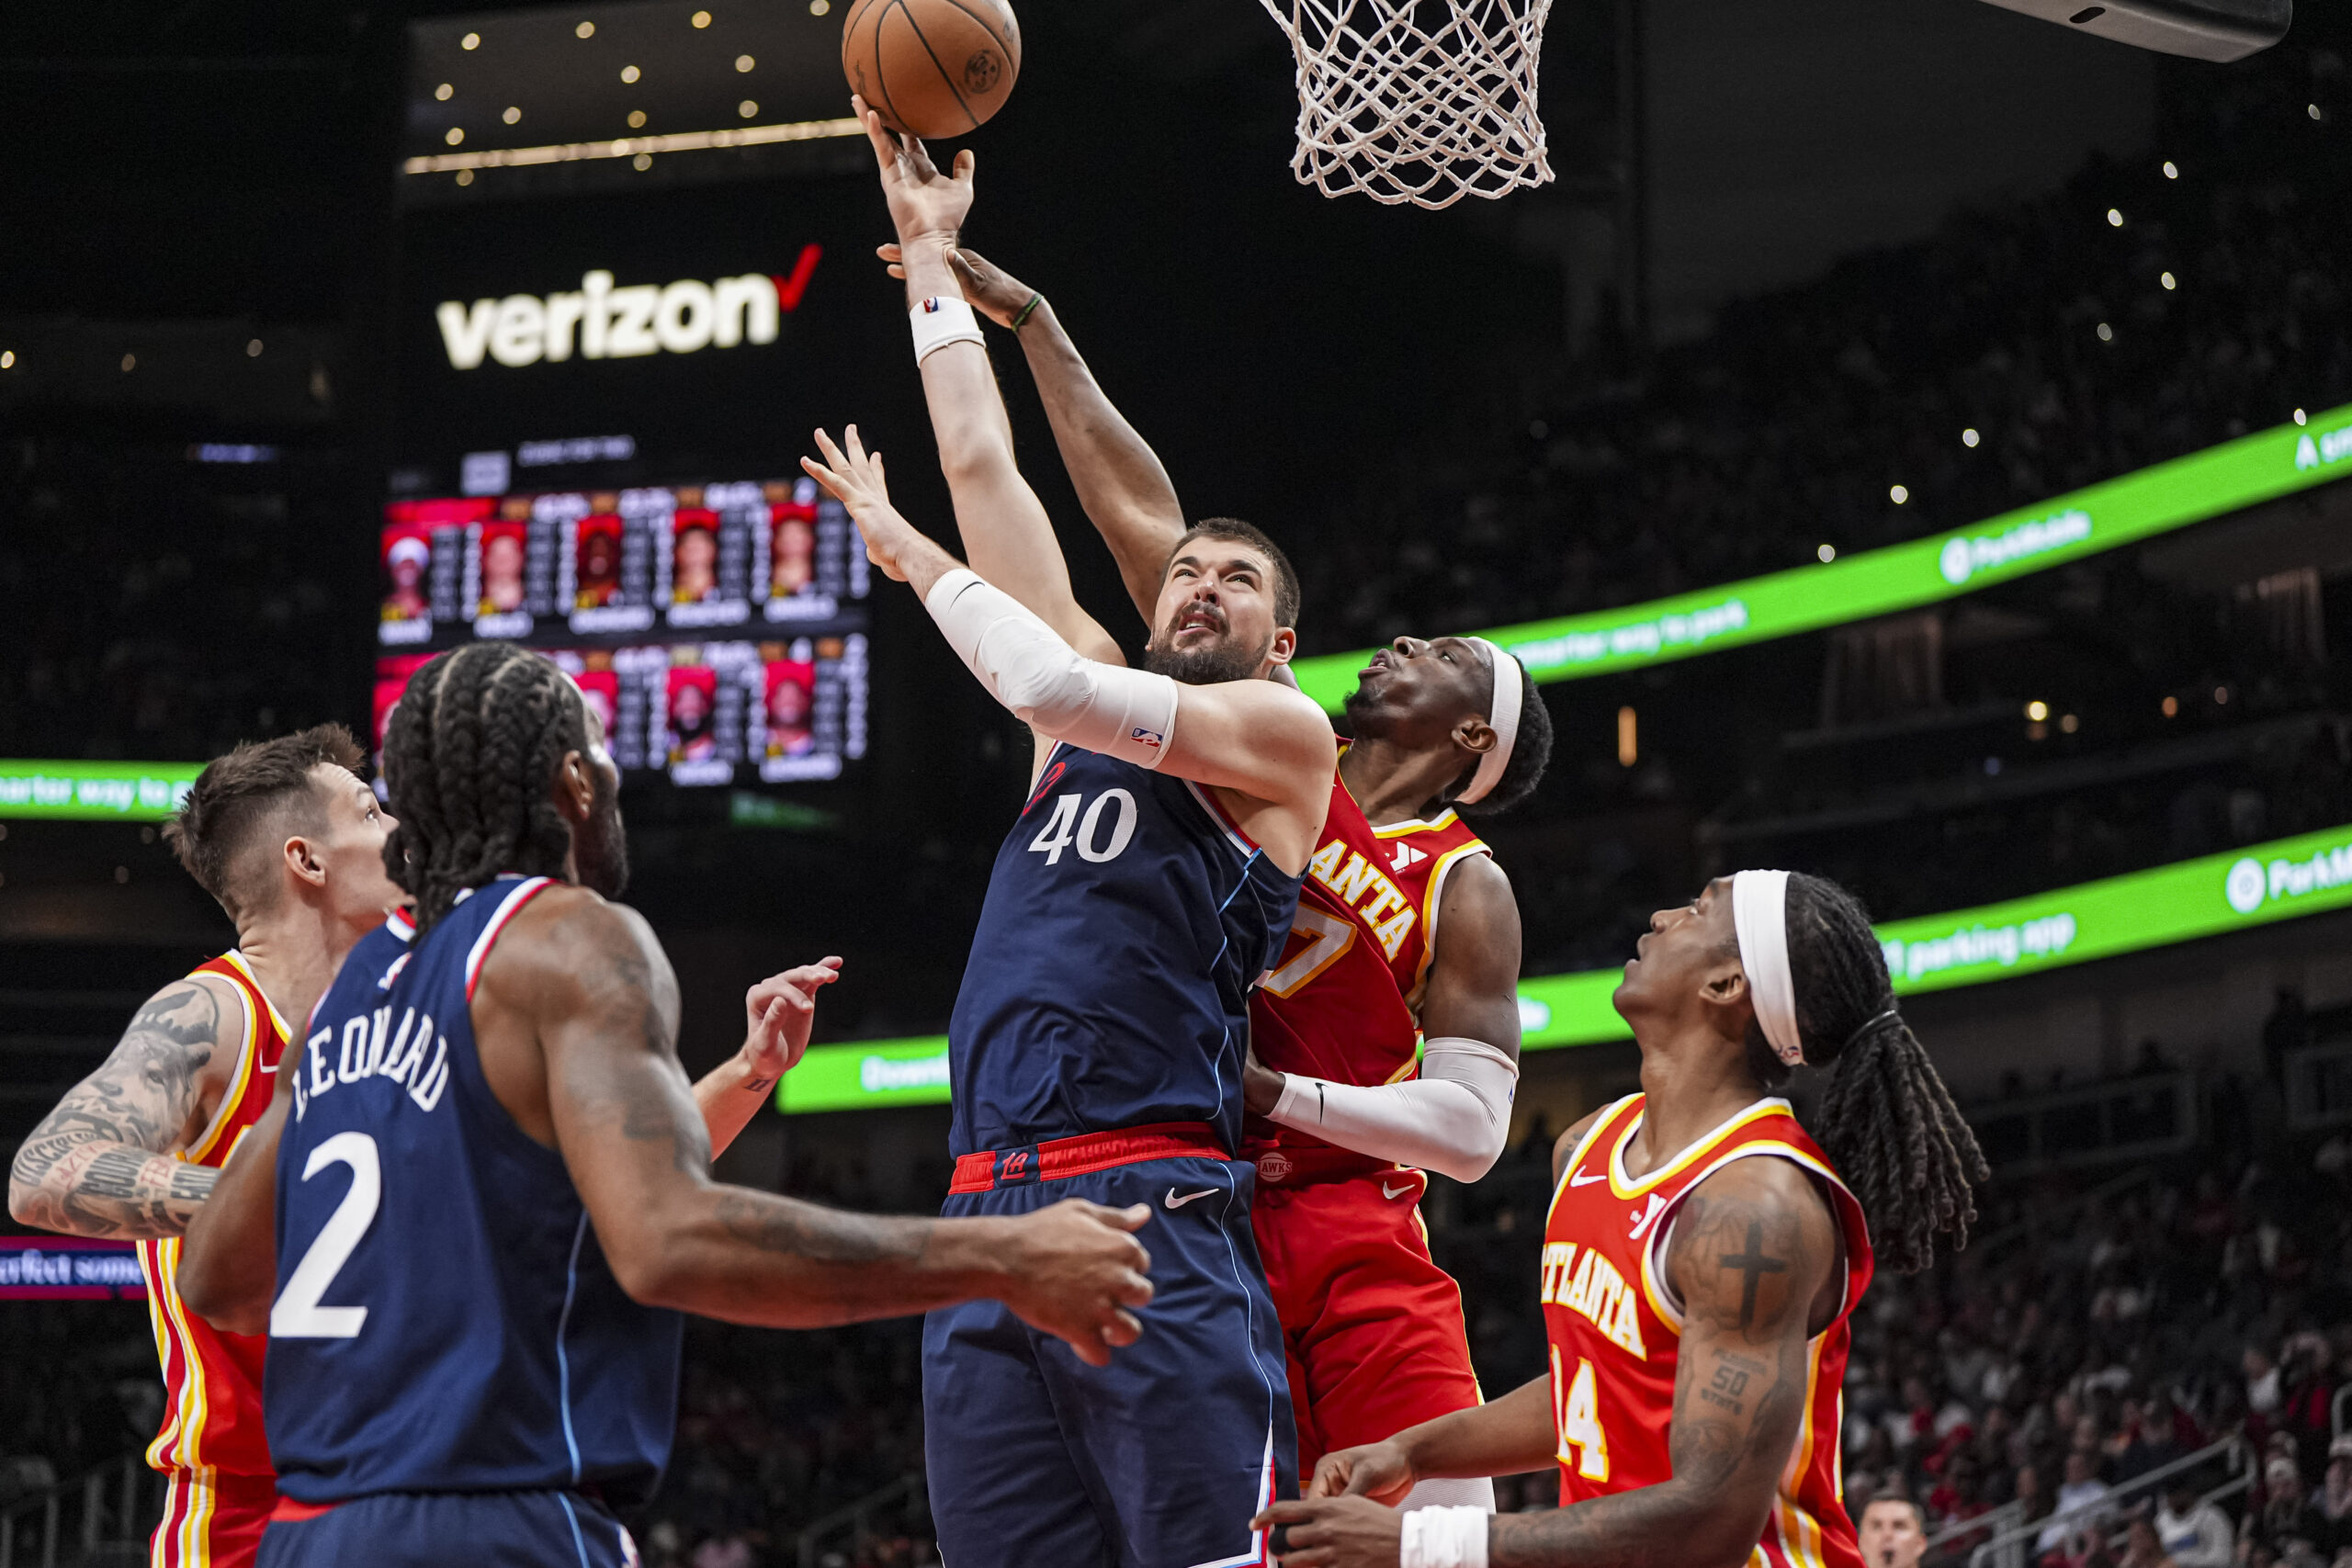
(601,320)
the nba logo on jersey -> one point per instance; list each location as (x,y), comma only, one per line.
(1142,736)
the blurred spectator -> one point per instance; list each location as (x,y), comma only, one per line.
(1894,1533)
(2195,1533)
(2081,1490)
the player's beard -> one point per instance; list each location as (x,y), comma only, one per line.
(1208,664)
(600,844)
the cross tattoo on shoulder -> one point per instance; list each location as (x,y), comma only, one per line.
(1754,1265)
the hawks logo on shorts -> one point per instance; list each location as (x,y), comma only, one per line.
(1615,1328)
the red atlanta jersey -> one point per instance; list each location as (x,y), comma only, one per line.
(1615,1325)
(1343,1003)
(212,1380)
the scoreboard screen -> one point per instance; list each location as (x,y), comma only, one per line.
(718,629)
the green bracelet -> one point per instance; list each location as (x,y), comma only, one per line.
(1035,300)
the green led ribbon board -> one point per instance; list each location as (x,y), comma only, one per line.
(2106,516)
(96,792)
(2233,891)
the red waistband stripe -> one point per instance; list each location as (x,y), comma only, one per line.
(986,1169)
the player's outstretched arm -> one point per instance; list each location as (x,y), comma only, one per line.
(100,1165)
(591,982)
(1256,738)
(1503,1437)
(1455,1117)
(228,1265)
(779,1013)
(1006,532)
(1751,1253)
(1120,480)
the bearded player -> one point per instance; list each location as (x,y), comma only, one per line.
(1700,1262)
(1406,939)
(1099,1036)
(287,837)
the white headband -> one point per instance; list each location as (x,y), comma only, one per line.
(1504,717)
(1759,910)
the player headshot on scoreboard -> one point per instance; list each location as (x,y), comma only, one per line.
(503,552)
(408,559)
(597,562)
(694,569)
(600,689)
(792,549)
(791,697)
(693,701)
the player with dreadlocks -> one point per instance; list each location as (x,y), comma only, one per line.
(1700,1262)
(490,1187)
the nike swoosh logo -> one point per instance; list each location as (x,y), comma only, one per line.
(1173,1202)
(1388,1192)
(1578,1178)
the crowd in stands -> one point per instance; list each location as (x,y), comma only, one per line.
(2074,347)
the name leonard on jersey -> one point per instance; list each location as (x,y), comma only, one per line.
(370,1049)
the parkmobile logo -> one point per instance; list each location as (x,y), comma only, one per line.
(1963,557)
(600,321)
(2252,883)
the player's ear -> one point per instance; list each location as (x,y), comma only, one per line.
(1474,734)
(1725,993)
(302,862)
(1286,645)
(575,788)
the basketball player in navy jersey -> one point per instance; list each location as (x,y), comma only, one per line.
(1097,1044)
(489,1185)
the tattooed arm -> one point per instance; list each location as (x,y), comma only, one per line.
(588,982)
(100,1164)
(779,1013)
(1754,1257)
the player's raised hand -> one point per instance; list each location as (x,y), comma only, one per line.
(926,206)
(1078,1270)
(1378,1470)
(854,477)
(779,1013)
(988,288)
(1335,1533)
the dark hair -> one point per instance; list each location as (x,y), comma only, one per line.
(1887,1121)
(236,794)
(1530,753)
(1286,595)
(470,751)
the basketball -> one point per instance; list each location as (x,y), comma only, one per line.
(935,68)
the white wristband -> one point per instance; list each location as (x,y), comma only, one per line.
(1444,1538)
(938,321)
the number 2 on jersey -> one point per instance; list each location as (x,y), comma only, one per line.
(297,1314)
(1065,827)
(1576,1413)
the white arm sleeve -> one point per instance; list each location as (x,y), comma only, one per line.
(1455,1118)
(1060,694)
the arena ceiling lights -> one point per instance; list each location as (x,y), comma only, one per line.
(2123,511)
(2208,896)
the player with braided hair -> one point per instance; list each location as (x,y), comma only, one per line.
(1701,1262)
(482,1192)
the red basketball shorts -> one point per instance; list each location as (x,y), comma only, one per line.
(1372,1325)
(212,1519)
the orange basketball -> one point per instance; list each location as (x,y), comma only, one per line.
(933,67)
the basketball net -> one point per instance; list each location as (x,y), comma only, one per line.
(1407,112)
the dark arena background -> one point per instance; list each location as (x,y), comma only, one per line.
(1907,441)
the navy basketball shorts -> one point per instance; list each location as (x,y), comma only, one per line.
(1157,1460)
(438,1529)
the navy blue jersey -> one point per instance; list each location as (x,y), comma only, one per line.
(1109,982)
(445,1320)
